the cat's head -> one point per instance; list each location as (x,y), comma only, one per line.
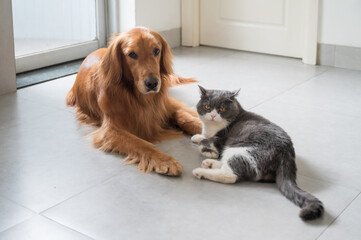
(218,105)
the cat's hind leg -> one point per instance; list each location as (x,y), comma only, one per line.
(211,163)
(222,175)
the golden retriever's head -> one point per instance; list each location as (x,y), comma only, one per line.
(139,56)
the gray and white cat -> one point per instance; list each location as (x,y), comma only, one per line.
(249,147)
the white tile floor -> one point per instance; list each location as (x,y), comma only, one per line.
(54,185)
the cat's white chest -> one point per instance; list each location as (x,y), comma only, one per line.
(210,128)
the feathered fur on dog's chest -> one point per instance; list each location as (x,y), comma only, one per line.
(146,118)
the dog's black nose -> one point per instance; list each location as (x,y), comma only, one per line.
(151,83)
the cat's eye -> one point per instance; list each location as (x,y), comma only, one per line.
(207,107)
(222,109)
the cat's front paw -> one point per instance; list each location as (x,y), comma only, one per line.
(198,173)
(210,154)
(197,138)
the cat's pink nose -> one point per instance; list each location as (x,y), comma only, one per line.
(213,116)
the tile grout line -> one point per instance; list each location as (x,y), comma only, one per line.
(67,227)
(329,182)
(37,214)
(329,225)
(19,204)
(90,187)
(288,89)
(319,109)
(21,222)
(41,212)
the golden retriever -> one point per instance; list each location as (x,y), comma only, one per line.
(123,90)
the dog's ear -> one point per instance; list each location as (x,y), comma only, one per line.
(111,63)
(166,56)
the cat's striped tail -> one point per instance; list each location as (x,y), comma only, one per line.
(312,208)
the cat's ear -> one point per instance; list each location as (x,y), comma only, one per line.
(235,93)
(203,90)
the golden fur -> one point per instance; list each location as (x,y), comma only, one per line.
(110,93)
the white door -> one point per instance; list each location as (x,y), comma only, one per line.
(266,26)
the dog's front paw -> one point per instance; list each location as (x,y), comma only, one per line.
(160,163)
(198,173)
(210,154)
(197,138)
(169,166)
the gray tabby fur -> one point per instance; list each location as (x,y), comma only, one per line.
(249,147)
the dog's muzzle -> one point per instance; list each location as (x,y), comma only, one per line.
(151,84)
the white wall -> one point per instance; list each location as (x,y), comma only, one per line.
(7,59)
(340,22)
(127,15)
(159,15)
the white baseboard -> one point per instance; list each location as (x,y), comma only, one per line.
(339,56)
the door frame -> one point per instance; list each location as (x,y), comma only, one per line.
(67,53)
(191,27)
(7,53)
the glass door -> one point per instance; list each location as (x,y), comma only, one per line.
(48,32)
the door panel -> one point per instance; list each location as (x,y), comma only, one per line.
(271,12)
(266,26)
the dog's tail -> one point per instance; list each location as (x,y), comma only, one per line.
(70,98)
(312,208)
(175,80)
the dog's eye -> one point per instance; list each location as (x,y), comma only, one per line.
(156,51)
(133,55)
